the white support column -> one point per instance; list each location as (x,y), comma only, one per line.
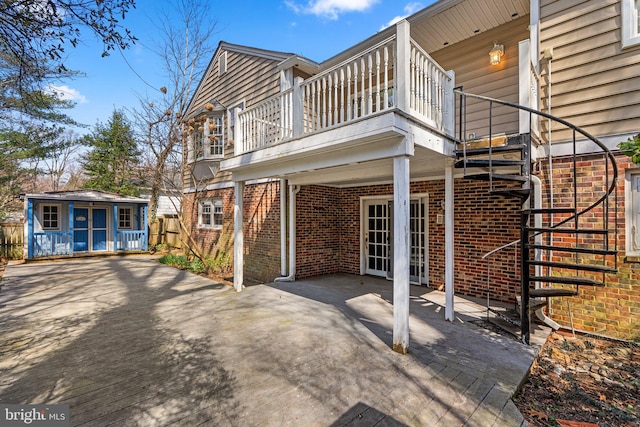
(283,227)
(449,270)
(403,53)
(238,237)
(524,85)
(401,242)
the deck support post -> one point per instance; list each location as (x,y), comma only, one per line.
(401,235)
(449,270)
(145,227)
(71,228)
(115,227)
(30,242)
(238,236)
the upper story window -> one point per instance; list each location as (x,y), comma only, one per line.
(632,212)
(210,213)
(216,137)
(630,23)
(124,218)
(207,139)
(50,217)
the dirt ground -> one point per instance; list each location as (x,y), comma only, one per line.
(583,381)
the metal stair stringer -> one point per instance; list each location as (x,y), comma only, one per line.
(485,160)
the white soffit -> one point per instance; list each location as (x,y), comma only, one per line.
(451,22)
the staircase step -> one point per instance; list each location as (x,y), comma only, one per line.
(580,281)
(499,149)
(572,250)
(479,163)
(551,292)
(568,230)
(512,192)
(549,210)
(498,177)
(568,265)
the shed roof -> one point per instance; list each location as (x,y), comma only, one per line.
(85,196)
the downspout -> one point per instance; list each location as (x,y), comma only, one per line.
(293,190)
(283,227)
(537,201)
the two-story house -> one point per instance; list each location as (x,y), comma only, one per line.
(468,148)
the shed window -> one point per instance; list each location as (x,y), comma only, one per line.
(124,218)
(630,23)
(50,217)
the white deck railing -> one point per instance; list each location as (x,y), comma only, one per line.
(355,88)
(431,89)
(364,85)
(266,123)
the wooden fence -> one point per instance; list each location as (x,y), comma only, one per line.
(11,240)
(165,231)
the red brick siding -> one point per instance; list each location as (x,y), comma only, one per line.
(317,231)
(613,310)
(478,216)
(261,229)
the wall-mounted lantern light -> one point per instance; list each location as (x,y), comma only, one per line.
(495,55)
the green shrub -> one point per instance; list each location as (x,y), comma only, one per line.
(197,266)
(174,260)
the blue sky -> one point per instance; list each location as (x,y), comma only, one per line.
(317,29)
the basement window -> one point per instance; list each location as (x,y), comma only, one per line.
(630,23)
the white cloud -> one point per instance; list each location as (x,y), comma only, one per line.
(67,93)
(409,9)
(331,9)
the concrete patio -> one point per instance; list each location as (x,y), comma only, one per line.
(128,341)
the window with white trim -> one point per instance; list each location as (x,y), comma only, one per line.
(632,212)
(50,217)
(210,213)
(216,136)
(197,142)
(630,22)
(124,218)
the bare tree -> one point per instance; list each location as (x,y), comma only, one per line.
(57,167)
(185,47)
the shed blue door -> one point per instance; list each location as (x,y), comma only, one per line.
(99,229)
(80,229)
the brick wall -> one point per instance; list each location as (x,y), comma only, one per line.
(261,229)
(613,310)
(483,222)
(317,231)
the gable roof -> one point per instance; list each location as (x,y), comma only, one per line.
(245,50)
(84,196)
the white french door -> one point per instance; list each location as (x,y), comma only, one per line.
(376,237)
(377,248)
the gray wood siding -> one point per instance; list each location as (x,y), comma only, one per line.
(248,77)
(470,61)
(595,84)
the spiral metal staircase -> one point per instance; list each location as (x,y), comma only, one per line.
(571,241)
